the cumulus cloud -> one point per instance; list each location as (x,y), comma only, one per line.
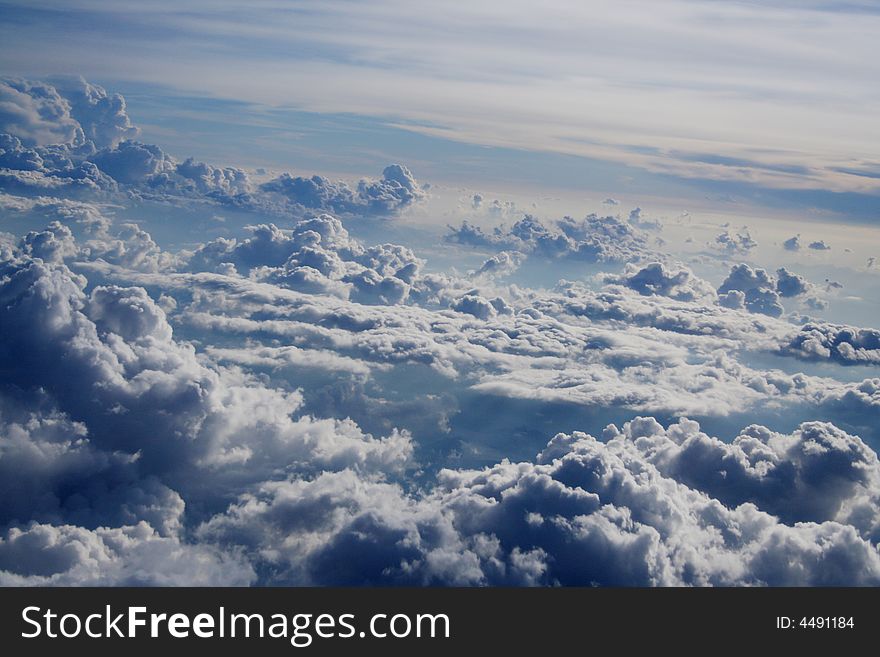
(113,349)
(655,278)
(58,169)
(36,113)
(792,243)
(586,512)
(501,264)
(66,555)
(63,111)
(753,289)
(527,353)
(132,162)
(640,508)
(639,220)
(102,116)
(816,303)
(213,180)
(474,304)
(45,458)
(819,245)
(591,239)
(735,243)
(394,192)
(317,255)
(790,285)
(68,137)
(287,404)
(819,473)
(845,344)
(126,245)
(53,244)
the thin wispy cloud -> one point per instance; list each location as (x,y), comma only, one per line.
(780,94)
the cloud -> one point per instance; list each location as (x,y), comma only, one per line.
(591,239)
(584,512)
(638,509)
(757,290)
(792,243)
(53,244)
(655,278)
(111,355)
(816,303)
(819,473)
(549,355)
(470,235)
(637,219)
(72,138)
(36,113)
(52,472)
(790,285)
(316,255)
(102,117)
(65,555)
(336,516)
(394,192)
(503,263)
(474,304)
(15,156)
(63,111)
(735,243)
(101,239)
(213,180)
(59,169)
(819,245)
(126,245)
(287,404)
(132,162)
(468,77)
(847,345)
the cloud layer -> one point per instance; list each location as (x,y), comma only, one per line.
(757,102)
(283,402)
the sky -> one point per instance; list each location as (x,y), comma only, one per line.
(431,294)
(770,103)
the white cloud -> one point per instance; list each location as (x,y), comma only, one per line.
(789,284)
(501,264)
(102,116)
(735,243)
(655,278)
(591,239)
(751,102)
(112,356)
(394,192)
(759,291)
(792,243)
(585,512)
(845,344)
(274,405)
(64,555)
(36,113)
(132,162)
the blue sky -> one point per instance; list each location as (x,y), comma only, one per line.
(771,105)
